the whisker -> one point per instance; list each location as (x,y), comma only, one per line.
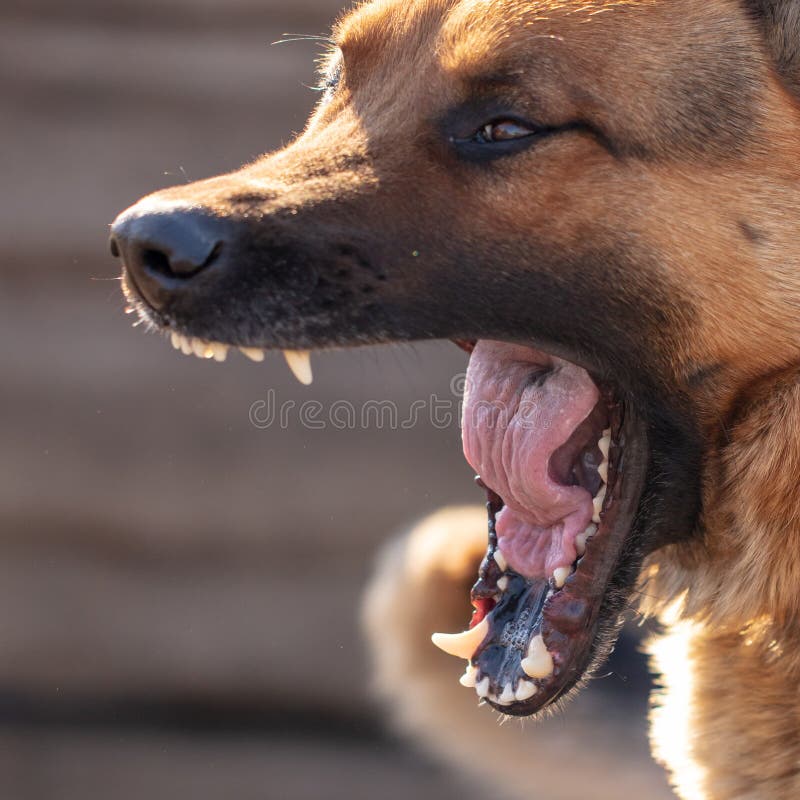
(302,37)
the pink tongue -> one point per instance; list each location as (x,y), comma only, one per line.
(511,427)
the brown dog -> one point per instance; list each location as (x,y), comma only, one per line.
(600,198)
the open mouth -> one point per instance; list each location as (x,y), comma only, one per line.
(561,459)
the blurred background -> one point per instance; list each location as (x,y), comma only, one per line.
(179,588)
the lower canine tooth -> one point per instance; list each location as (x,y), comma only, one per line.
(560,575)
(525,690)
(462,645)
(597,504)
(502,583)
(299,362)
(539,663)
(253,353)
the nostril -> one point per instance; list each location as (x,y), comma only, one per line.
(177,264)
(157,262)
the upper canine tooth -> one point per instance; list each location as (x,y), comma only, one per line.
(253,353)
(462,645)
(539,663)
(597,503)
(500,559)
(299,362)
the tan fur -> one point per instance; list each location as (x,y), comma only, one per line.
(738,587)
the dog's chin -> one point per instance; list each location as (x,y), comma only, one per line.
(567,463)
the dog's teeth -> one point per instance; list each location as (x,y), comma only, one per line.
(500,559)
(482,687)
(199,347)
(507,697)
(470,677)
(129,309)
(602,471)
(605,442)
(502,583)
(220,351)
(253,353)
(462,645)
(175,338)
(299,362)
(597,504)
(539,663)
(525,690)
(560,575)
(208,350)
(582,538)
(186,346)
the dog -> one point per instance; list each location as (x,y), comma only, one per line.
(599,200)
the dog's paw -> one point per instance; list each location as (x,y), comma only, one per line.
(421,585)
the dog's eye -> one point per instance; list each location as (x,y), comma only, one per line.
(504,130)
(503,136)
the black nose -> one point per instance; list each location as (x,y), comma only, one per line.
(163,250)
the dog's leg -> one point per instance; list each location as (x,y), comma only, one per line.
(421,585)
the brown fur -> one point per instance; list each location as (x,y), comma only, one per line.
(657,242)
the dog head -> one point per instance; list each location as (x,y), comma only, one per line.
(593,195)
